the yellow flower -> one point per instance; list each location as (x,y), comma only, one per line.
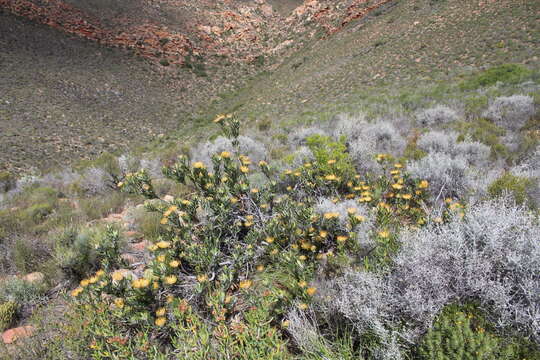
(170,280)
(285,323)
(93,279)
(245,284)
(423,184)
(119,303)
(85,282)
(394,172)
(160,258)
(302,306)
(244,169)
(225,154)
(397,186)
(331,215)
(161,312)
(117,276)
(233,200)
(77,291)
(438,220)
(323,233)
(254,191)
(120,184)
(302,257)
(263,163)
(359,218)
(155,285)
(100,273)
(302,284)
(342,238)
(274,252)
(351,210)
(448,200)
(164,244)
(260,268)
(174,263)
(330,177)
(311,291)
(160,321)
(164,221)
(307,165)
(169,299)
(331,162)
(269,239)
(198,165)
(407,196)
(140,283)
(202,278)
(398,165)
(384,234)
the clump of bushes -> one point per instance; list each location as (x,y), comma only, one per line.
(506,73)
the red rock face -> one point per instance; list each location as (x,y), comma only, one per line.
(227,28)
(12,335)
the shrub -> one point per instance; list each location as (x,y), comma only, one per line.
(21,292)
(96,181)
(204,152)
(7,181)
(447,177)
(505,73)
(438,141)
(453,336)
(299,137)
(490,255)
(518,187)
(97,207)
(511,112)
(8,313)
(325,150)
(486,132)
(80,251)
(435,116)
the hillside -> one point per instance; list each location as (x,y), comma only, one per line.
(269,179)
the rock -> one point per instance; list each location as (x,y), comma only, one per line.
(168,198)
(132,235)
(267,10)
(140,246)
(11,335)
(34,278)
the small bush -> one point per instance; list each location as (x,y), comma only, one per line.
(506,73)
(299,137)
(97,207)
(518,187)
(325,150)
(204,152)
(7,181)
(435,116)
(511,112)
(447,176)
(80,251)
(454,337)
(8,313)
(21,292)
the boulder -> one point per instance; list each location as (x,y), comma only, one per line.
(34,278)
(12,335)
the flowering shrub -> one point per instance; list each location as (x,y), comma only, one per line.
(233,258)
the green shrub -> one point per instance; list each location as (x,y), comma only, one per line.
(462,332)
(486,132)
(326,150)
(80,251)
(506,73)
(516,186)
(8,313)
(7,181)
(20,291)
(98,207)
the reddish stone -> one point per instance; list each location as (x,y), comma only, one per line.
(12,335)
(140,246)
